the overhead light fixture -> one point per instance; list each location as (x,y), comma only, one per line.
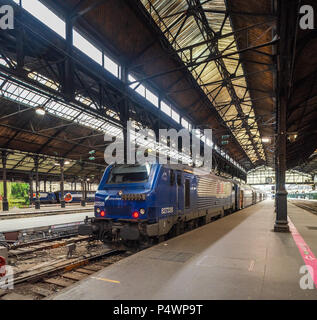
(67,162)
(292,137)
(40,111)
(266,140)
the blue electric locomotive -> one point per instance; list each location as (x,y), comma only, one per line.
(142,202)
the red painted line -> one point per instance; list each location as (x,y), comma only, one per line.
(307,255)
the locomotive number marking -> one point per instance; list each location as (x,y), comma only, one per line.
(167,210)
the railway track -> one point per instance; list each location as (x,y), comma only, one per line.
(48,271)
(48,276)
(44,244)
(308,207)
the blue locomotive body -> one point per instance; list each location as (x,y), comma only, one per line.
(135,202)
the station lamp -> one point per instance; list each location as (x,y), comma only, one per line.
(266,140)
(40,111)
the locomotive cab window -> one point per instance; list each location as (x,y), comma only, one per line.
(187,193)
(129,173)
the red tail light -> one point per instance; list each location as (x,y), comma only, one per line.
(2,266)
(135,214)
(102,213)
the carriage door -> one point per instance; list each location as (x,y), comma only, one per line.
(241,199)
(236,197)
(180,193)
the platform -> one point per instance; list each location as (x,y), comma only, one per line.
(237,257)
(10,225)
(45,210)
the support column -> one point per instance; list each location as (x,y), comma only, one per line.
(281,223)
(31,188)
(287,30)
(5,203)
(62,184)
(83,198)
(45,185)
(37,191)
(85,188)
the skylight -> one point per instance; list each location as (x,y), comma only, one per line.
(152,97)
(86,47)
(140,89)
(45,15)
(175,116)
(111,66)
(166,108)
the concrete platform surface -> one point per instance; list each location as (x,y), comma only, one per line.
(237,257)
(10,225)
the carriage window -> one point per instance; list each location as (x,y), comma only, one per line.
(187,193)
(179,179)
(172,177)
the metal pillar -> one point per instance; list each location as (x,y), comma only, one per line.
(287,30)
(44,185)
(281,223)
(85,188)
(37,191)
(62,184)
(5,203)
(83,198)
(31,189)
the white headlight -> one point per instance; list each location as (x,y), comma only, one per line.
(142,211)
(98,210)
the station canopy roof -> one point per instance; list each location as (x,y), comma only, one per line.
(207,35)
(211,62)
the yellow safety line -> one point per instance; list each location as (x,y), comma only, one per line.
(107,280)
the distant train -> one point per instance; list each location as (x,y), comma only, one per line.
(310,195)
(142,203)
(69,197)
